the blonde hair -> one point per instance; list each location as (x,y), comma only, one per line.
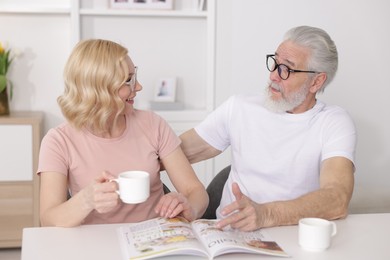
(93,74)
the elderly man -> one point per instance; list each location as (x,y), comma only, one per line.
(292,155)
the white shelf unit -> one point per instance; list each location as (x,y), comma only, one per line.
(172,13)
(162,43)
(80,15)
(34,10)
(87,21)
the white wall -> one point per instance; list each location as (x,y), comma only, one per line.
(246,31)
(37,73)
(361,29)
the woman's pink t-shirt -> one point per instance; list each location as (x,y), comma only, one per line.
(82,157)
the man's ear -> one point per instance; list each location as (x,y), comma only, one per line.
(318,82)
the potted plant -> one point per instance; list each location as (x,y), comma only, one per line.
(5,83)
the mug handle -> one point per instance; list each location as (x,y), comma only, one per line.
(117,181)
(334,228)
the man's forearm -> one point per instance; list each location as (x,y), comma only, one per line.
(324,203)
(195,148)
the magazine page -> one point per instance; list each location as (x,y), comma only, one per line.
(159,237)
(219,242)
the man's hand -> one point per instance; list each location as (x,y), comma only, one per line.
(242,214)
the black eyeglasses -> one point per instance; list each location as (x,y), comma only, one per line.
(132,81)
(283,70)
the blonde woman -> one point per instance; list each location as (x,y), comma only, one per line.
(103,136)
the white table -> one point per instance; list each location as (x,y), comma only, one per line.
(360,236)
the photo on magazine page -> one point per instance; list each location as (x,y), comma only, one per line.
(218,241)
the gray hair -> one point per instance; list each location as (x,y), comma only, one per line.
(323,56)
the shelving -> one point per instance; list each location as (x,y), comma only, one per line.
(147,13)
(163,27)
(169,30)
(34,10)
(196,50)
(162,43)
(35,7)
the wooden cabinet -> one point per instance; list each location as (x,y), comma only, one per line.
(20,137)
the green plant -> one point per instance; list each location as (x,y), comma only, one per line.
(5,62)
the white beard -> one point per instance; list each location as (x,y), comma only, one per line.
(286,103)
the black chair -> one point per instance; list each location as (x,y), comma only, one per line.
(214,189)
(166,189)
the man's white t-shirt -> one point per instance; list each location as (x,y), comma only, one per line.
(276,157)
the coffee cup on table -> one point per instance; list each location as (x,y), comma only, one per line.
(134,186)
(315,234)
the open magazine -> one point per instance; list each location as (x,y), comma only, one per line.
(176,236)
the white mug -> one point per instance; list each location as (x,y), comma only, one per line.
(315,233)
(134,186)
